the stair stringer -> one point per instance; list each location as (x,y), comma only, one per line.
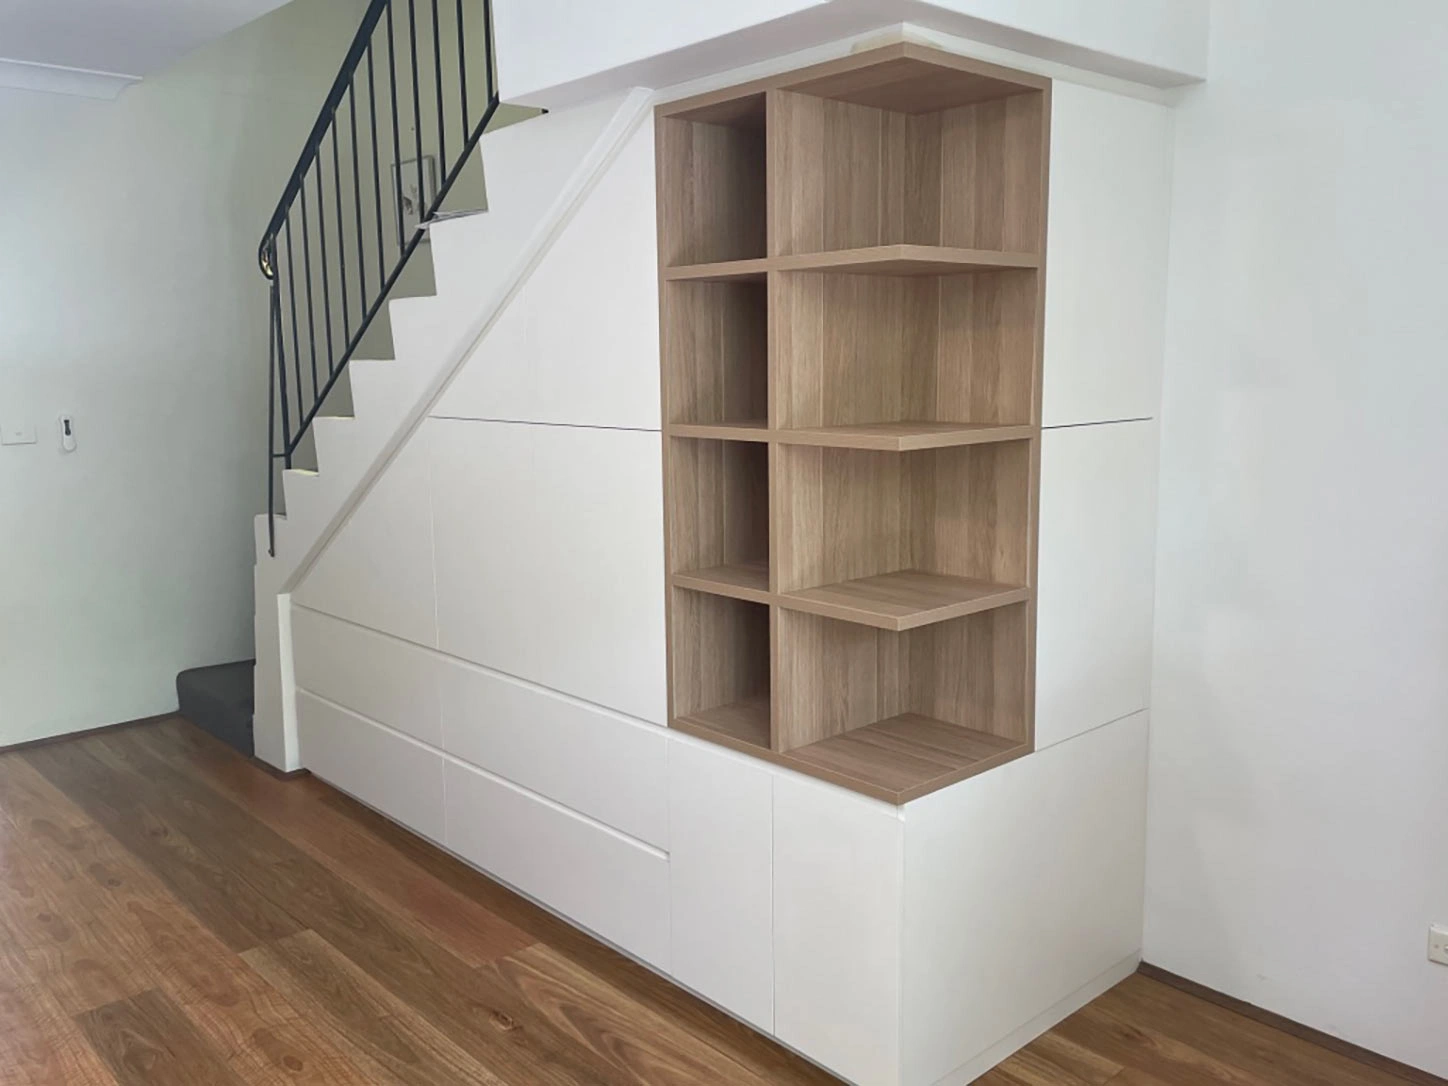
(538,174)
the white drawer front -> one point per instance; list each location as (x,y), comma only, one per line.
(401,778)
(391,681)
(585,758)
(615,887)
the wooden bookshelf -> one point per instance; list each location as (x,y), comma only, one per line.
(851,278)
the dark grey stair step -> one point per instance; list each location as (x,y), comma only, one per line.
(218,700)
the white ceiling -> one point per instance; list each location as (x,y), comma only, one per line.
(125,37)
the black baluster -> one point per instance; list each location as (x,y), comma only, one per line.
(416,105)
(357,201)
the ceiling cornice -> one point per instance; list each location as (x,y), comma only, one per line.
(57,79)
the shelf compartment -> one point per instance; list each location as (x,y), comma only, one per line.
(905,599)
(897,540)
(855,350)
(712,182)
(741,430)
(739,580)
(717,503)
(900,714)
(853,165)
(742,725)
(715,352)
(905,436)
(905,757)
(720,668)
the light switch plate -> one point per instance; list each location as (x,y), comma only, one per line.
(17,433)
(1438,944)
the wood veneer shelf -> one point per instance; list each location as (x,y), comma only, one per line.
(904,600)
(850,307)
(742,725)
(743,430)
(873,260)
(907,436)
(740,581)
(904,757)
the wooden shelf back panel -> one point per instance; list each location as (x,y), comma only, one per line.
(835,677)
(716,503)
(715,351)
(849,176)
(711,189)
(844,514)
(720,652)
(850,350)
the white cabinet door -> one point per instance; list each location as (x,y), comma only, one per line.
(605,882)
(1096,578)
(838,871)
(550,557)
(1106,252)
(377,570)
(586,758)
(720,893)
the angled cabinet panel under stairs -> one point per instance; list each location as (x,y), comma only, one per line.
(851,280)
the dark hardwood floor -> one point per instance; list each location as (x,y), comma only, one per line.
(173,915)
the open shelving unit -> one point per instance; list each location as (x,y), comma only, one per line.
(851,277)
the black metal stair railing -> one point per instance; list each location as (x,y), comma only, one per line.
(418,81)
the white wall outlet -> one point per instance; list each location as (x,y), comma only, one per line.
(17,433)
(1438,944)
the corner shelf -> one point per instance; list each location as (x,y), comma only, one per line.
(851,321)
(905,599)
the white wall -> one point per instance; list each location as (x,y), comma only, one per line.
(130,298)
(1299,770)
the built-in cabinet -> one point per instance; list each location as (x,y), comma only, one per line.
(480,653)
(851,265)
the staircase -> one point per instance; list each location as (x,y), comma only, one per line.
(218,700)
(374,301)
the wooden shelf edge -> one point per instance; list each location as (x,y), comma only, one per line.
(745,430)
(899,259)
(1008,596)
(899,796)
(748,581)
(876,437)
(904,259)
(719,271)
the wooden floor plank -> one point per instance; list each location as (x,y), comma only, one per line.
(257,1033)
(1232,1038)
(41,1046)
(293,808)
(395,1044)
(206,923)
(1144,1048)
(644,1046)
(443,988)
(736,1040)
(147,1041)
(230,908)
